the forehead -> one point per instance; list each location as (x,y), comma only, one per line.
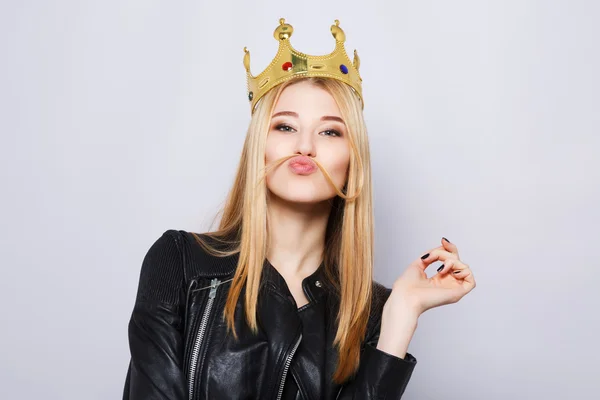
(306,98)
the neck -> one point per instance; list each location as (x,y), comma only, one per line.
(296,235)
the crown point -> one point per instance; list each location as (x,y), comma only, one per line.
(283,31)
(338,33)
(337,22)
(246,59)
(356,60)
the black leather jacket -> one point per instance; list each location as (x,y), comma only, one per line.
(180,350)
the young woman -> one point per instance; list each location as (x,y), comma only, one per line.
(280,301)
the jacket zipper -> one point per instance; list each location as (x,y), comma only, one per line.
(288,361)
(201,330)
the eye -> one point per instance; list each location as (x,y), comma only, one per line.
(284,127)
(334,132)
(328,132)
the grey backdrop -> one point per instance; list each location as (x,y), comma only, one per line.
(121,119)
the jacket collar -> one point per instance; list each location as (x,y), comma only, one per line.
(313,285)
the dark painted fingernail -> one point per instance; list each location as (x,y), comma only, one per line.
(424,256)
(446,239)
(440,268)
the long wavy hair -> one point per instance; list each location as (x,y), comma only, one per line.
(348,254)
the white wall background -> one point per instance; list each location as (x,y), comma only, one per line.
(121,119)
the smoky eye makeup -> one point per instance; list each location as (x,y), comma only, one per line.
(284,127)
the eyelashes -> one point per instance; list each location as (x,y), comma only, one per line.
(280,126)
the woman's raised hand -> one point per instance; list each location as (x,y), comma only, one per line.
(414,289)
(414,293)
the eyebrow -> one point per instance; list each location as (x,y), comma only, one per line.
(294,114)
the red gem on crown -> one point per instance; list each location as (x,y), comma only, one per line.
(287,66)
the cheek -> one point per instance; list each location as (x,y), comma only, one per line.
(273,152)
(338,169)
(342,164)
(272,156)
(274,149)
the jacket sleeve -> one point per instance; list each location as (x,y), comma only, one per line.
(380,375)
(155,328)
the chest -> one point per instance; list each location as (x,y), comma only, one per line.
(291,351)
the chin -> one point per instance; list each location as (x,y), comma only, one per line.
(301,197)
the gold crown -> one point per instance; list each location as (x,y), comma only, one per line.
(290,63)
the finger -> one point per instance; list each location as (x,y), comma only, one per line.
(437,254)
(447,267)
(451,247)
(452,266)
(456,268)
(462,271)
(425,257)
(468,279)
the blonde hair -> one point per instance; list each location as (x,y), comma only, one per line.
(348,253)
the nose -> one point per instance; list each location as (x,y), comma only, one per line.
(305,144)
